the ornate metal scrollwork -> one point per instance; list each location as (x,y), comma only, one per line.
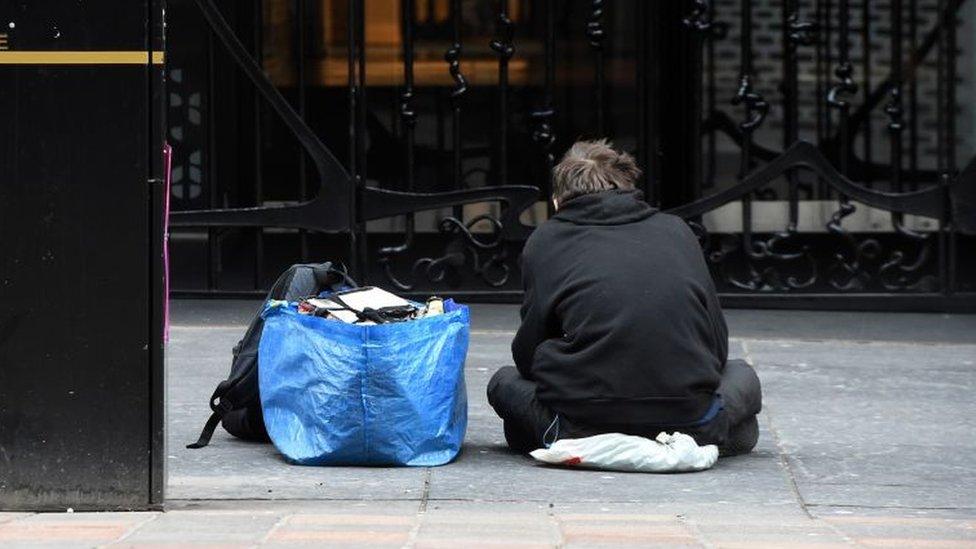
(407,115)
(771,261)
(701,20)
(768,278)
(503,42)
(543,134)
(895,111)
(801,32)
(845,87)
(594,25)
(756,105)
(898,274)
(453,58)
(464,247)
(847,272)
(859,267)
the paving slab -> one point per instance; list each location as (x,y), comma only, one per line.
(195,527)
(874,425)
(70,529)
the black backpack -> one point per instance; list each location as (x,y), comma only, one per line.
(236,402)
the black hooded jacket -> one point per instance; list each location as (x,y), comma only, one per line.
(620,323)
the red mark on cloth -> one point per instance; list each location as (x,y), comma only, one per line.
(576,460)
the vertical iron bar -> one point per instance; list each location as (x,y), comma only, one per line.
(866,69)
(642,22)
(544,135)
(828,62)
(790,103)
(820,101)
(838,97)
(257,21)
(300,88)
(407,119)
(596,34)
(745,157)
(946,107)
(951,55)
(913,99)
(213,251)
(351,83)
(503,46)
(441,139)
(941,149)
(895,112)
(356,79)
(952,168)
(453,58)
(711,164)
(407,114)
(845,86)
(361,259)
(894,107)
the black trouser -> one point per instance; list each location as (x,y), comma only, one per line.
(529,423)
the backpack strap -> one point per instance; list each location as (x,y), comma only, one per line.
(220,406)
(208,431)
(382,315)
(329,276)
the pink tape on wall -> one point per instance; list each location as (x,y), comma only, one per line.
(168,167)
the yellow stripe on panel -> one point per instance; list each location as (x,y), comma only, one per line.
(80,57)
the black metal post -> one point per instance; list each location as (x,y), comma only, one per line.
(544,134)
(505,49)
(596,34)
(301,100)
(357,138)
(791,107)
(866,78)
(408,119)
(645,115)
(755,109)
(676,94)
(453,58)
(257,149)
(81,212)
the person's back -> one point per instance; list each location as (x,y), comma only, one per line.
(621,327)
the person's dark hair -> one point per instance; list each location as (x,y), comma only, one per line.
(592,167)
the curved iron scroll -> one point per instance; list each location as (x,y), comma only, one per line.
(329,210)
(318,213)
(487,255)
(382,203)
(927,202)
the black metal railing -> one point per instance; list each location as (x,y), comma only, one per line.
(806,148)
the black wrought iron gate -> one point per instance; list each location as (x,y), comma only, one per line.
(814,145)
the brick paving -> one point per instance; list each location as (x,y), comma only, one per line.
(482,524)
(866,441)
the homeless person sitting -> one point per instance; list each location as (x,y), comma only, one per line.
(621,330)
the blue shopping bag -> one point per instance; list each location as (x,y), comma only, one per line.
(389,394)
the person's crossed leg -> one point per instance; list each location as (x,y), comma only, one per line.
(529,424)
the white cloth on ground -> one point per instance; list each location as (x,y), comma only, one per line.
(674,453)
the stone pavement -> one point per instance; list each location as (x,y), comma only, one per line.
(866,439)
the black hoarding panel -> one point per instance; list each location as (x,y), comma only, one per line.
(80,354)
